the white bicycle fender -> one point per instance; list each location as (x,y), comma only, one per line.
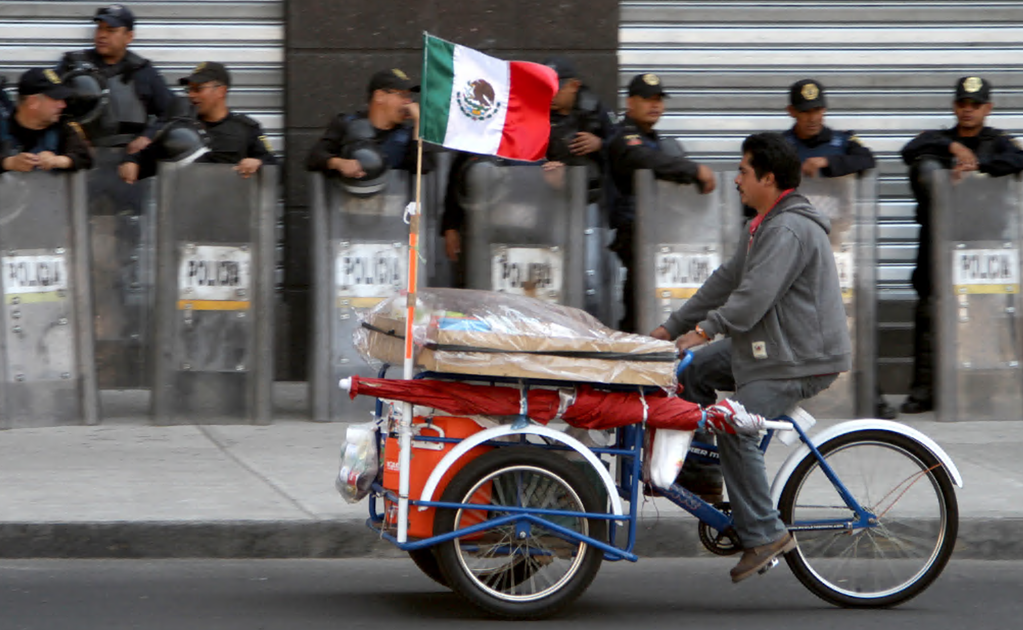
(476,439)
(861,425)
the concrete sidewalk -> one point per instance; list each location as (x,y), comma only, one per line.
(128,490)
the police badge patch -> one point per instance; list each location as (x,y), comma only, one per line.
(810,91)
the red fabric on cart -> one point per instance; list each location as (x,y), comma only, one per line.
(592,408)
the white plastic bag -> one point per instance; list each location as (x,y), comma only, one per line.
(360,462)
(667,456)
(805,421)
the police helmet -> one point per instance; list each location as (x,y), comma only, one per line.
(91,96)
(182,140)
(361,145)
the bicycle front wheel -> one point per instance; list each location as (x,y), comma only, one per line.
(915,520)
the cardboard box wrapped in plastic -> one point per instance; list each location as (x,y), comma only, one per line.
(487,333)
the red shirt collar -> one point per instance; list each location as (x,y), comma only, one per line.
(757,220)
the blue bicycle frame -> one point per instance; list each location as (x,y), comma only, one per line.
(628,447)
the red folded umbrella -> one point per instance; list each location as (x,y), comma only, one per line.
(591,408)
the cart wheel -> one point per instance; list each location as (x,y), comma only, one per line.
(915,512)
(426,560)
(520,570)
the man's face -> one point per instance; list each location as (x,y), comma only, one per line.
(809,123)
(970,113)
(754,192)
(110,41)
(45,110)
(206,96)
(646,110)
(564,99)
(392,103)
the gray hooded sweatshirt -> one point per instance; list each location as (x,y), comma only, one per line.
(778,298)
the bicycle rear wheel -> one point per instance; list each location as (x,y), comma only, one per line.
(915,511)
(519,569)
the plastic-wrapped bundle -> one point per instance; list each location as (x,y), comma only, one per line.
(483,332)
(360,464)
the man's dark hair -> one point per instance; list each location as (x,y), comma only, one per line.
(772,153)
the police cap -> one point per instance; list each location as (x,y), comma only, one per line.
(807,94)
(45,82)
(393,79)
(207,71)
(115,15)
(646,85)
(973,89)
(563,66)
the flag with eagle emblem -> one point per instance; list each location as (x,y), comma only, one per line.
(474,102)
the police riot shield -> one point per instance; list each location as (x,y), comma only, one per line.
(525,231)
(213,341)
(123,220)
(681,236)
(47,375)
(977,234)
(360,257)
(850,203)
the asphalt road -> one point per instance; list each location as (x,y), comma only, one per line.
(379,594)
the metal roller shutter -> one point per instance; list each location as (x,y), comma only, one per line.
(246,36)
(889,68)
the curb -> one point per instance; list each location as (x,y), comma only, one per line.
(979,539)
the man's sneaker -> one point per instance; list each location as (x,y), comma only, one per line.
(757,558)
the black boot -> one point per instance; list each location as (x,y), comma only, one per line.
(921,392)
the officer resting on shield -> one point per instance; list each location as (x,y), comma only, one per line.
(636,146)
(137,92)
(233,138)
(33,136)
(824,152)
(362,146)
(969,146)
(580,125)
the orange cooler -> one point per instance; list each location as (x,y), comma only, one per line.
(424,458)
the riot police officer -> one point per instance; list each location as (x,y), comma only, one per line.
(580,125)
(34,136)
(139,100)
(362,146)
(825,152)
(969,146)
(232,138)
(822,151)
(636,146)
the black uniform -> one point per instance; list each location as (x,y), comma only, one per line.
(231,139)
(588,115)
(60,139)
(997,155)
(136,91)
(631,149)
(397,145)
(844,152)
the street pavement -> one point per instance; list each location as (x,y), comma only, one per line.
(126,489)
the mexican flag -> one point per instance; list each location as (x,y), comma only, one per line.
(474,102)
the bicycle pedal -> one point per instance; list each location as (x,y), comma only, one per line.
(773,562)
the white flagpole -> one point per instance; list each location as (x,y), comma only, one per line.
(405,428)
